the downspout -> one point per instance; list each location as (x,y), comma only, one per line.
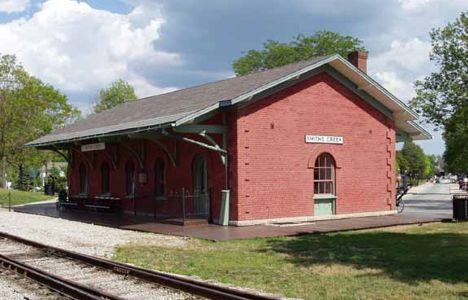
(226,161)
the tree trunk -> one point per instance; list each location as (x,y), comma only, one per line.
(4,171)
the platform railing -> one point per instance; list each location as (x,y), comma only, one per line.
(177,204)
(185,204)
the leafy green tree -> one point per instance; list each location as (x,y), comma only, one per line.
(117,93)
(58,181)
(24,182)
(402,164)
(29,108)
(415,157)
(302,47)
(442,97)
(456,142)
(431,166)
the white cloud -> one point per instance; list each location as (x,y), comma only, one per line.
(409,55)
(11,6)
(395,84)
(413,4)
(145,89)
(399,66)
(78,48)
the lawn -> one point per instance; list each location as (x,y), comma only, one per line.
(413,262)
(21,197)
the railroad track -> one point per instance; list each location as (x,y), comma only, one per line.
(18,287)
(79,276)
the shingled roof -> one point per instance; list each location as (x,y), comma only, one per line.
(166,109)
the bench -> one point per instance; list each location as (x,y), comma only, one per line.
(103,203)
(70,201)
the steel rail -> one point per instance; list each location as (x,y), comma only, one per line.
(56,283)
(192,286)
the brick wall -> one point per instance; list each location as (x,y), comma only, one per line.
(275,165)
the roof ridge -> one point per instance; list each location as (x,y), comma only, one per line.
(235,77)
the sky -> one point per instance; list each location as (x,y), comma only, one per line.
(80,47)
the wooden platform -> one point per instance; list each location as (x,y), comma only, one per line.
(186,222)
(219,233)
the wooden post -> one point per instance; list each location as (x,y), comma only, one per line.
(183,205)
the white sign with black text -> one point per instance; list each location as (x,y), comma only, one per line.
(93,147)
(324,139)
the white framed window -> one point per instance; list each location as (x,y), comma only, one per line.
(324,175)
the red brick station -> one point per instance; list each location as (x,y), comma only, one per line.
(307,141)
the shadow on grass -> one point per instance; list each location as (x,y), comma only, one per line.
(402,256)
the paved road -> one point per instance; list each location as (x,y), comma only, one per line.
(430,199)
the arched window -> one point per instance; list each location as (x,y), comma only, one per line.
(159,178)
(105,178)
(83,179)
(130,178)
(324,175)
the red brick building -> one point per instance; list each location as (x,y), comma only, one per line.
(310,140)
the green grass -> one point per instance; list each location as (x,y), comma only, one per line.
(415,262)
(21,197)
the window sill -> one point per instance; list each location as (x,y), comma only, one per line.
(324,196)
(160,198)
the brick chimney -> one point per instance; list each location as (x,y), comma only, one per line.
(359,60)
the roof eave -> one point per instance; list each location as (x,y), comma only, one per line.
(403,108)
(34,144)
(423,134)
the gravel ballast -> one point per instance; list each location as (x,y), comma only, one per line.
(80,237)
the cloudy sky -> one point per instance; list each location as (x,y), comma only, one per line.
(159,46)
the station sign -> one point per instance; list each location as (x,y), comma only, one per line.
(93,147)
(324,139)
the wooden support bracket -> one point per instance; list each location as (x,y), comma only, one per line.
(138,155)
(65,156)
(112,158)
(89,161)
(155,138)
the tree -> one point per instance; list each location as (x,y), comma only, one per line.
(415,157)
(430,166)
(402,164)
(117,93)
(29,108)
(442,97)
(456,142)
(302,47)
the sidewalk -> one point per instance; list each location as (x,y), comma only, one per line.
(419,188)
(54,200)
